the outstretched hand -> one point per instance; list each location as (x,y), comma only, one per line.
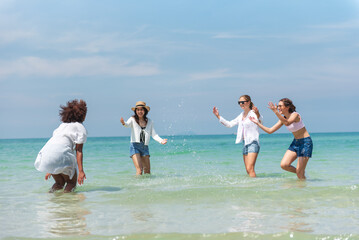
(215,112)
(47,176)
(164,141)
(253,119)
(272,107)
(122,121)
(256,111)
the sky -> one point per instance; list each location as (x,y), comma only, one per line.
(181,58)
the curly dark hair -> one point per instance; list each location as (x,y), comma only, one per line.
(74,111)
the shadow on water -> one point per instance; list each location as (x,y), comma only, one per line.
(99,189)
(285,176)
(64,215)
(270,175)
(298,220)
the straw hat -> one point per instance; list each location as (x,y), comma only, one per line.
(140,104)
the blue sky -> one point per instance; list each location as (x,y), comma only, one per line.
(181,57)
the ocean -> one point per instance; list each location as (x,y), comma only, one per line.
(198,189)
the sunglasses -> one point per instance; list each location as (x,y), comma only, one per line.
(242,102)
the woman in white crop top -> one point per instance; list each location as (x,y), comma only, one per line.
(247,131)
(302,145)
(141,131)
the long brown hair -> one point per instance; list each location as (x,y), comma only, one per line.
(288,103)
(74,111)
(248,98)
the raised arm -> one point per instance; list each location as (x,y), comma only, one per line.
(293,117)
(128,123)
(268,130)
(256,111)
(216,113)
(226,123)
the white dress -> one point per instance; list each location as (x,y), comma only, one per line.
(58,154)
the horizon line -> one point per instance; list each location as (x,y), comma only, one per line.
(193,134)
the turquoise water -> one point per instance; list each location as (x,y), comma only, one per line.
(198,190)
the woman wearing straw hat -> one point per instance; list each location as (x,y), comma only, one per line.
(141,130)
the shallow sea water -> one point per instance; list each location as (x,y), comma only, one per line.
(198,190)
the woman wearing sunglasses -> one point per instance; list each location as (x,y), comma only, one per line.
(247,131)
(141,131)
(302,145)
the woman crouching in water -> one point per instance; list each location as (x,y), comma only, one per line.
(302,145)
(57,158)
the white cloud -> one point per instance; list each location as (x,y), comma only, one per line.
(91,66)
(110,43)
(352,24)
(319,35)
(12,29)
(13,35)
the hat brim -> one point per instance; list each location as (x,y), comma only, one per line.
(147,107)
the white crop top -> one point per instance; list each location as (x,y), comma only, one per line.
(295,126)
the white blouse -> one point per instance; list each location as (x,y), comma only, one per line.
(136,131)
(58,154)
(247,130)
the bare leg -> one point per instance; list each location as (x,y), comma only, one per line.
(71,183)
(249,162)
(301,165)
(146,164)
(59,182)
(286,163)
(244,160)
(137,161)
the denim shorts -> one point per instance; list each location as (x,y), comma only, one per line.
(140,148)
(303,147)
(253,147)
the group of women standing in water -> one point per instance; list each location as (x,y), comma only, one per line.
(62,155)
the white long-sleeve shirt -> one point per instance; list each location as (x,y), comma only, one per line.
(136,131)
(247,130)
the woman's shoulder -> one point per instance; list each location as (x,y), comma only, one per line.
(131,119)
(69,128)
(76,125)
(240,115)
(253,114)
(78,132)
(295,114)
